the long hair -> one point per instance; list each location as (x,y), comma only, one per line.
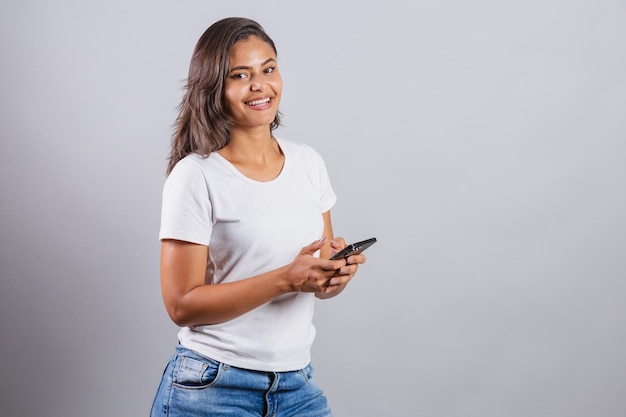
(203,123)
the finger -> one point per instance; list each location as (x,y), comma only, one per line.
(355,259)
(347,270)
(338,243)
(332,266)
(337,282)
(313,247)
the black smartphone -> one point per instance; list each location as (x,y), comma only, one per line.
(354,248)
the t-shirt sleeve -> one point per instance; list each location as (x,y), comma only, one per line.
(328,198)
(186,206)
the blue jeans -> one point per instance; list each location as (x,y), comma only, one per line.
(193,385)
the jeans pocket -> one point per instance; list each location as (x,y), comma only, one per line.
(195,373)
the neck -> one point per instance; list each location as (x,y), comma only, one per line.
(251,145)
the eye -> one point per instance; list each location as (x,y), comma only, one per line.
(269,70)
(239,76)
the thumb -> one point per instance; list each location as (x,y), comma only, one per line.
(313,247)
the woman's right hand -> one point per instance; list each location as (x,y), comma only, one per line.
(308,273)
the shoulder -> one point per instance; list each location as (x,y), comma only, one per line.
(190,165)
(299,150)
(190,173)
(195,165)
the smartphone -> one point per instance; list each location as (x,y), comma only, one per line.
(354,248)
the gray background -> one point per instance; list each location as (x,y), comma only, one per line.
(481,142)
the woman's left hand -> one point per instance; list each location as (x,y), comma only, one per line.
(344,274)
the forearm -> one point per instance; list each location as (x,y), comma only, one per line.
(191,302)
(216,303)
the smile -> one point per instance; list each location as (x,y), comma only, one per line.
(258,102)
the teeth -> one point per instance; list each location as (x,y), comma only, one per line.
(257,102)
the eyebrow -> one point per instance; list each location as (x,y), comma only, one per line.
(243,67)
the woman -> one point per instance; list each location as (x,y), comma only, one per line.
(246,240)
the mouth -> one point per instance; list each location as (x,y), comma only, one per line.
(260,102)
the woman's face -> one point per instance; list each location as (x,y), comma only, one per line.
(253,86)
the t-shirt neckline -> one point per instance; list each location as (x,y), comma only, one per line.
(239,174)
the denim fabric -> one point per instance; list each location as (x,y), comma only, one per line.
(194,386)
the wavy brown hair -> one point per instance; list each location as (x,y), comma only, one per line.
(203,123)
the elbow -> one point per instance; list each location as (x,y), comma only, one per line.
(186,312)
(179,315)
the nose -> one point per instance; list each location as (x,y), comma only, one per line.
(256,83)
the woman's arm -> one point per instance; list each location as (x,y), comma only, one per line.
(191,302)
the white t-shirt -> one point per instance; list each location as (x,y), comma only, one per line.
(251,227)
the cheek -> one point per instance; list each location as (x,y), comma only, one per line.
(230,98)
(277,86)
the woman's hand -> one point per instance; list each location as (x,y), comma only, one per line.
(344,274)
(308,273)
